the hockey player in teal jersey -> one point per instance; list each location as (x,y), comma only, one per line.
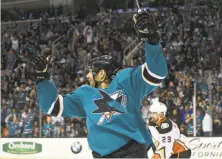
(111,103)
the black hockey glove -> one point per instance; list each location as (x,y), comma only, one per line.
(146,27)
(38,68)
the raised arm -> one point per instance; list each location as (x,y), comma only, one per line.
(50,101)
(154,70)
(145,78)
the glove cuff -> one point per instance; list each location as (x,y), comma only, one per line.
(152,38)
(41,77)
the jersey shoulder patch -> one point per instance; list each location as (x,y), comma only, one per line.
(165,127)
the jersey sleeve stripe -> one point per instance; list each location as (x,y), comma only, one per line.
(150,77)
(57,107)
(52,107)
(153,74)
(61,106)
(182,144)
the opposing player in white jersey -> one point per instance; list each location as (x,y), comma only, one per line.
(166,134)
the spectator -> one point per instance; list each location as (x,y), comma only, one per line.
(217,125)
(207,123)
(11,59)
(27,119)
(36,129)
(47,127)
(185,113)
(189,122)
(176,117)
(10,125)
(183,130)
(62,133)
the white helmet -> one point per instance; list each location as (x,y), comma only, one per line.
(158,107)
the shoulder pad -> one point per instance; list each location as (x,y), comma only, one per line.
(165,127)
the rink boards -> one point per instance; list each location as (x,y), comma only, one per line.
(71,148)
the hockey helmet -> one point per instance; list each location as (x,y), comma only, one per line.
(158,107)
(106,62)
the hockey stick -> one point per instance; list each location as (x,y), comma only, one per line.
(138,6)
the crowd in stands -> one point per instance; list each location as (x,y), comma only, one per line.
(79,40)
(192,49)
(16,14)
(194,56)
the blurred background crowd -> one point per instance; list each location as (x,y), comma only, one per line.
(191,40)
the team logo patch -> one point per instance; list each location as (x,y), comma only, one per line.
(109,105)
(164,125)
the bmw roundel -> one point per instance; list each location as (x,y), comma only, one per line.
(76,147)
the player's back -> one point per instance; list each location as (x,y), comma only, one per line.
(164,137)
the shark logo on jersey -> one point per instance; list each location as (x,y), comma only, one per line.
(110,105)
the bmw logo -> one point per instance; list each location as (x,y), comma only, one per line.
(76,147)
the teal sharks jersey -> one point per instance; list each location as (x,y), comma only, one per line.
(27,119)
(112,115)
